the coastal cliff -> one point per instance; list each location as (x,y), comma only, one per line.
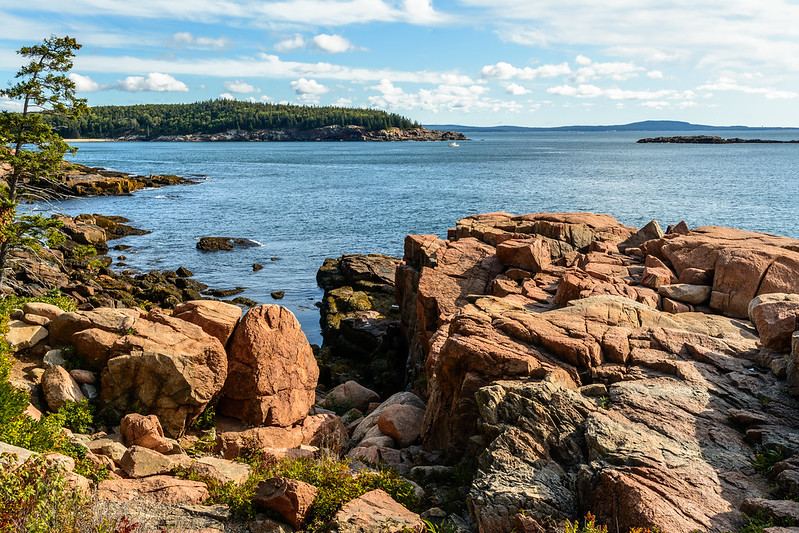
(561,364)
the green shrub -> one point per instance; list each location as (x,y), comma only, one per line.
(332,477)
(35,498)
(54,238)
(78,416)
(84,250)
(766,459)
(206,419)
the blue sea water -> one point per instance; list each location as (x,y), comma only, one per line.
(308,201)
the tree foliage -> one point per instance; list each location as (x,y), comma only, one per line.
(215,116)
(32,151)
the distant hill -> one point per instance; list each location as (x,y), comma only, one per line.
(150,121)
(646,125)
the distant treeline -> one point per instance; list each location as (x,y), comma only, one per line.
(215,116)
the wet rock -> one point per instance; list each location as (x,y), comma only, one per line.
(359,318)
(213,244)
(277,295)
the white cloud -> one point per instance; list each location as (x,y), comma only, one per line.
(241,87)
(729,84)
(506,71)
(308,91)
(287,45)
(343,102)
(704,34)
(582,60)
(10,105)
(463,99)
(516,90)
(331,44)
(654,75)
(155,81)
(226,96)
(303,86)
(615,70)
(263,66)
(84,84)
(185,39)
(592,91)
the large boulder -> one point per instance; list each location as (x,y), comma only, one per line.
(272,372)
(166,367)
(776,317)
(165,490)
(59,387)
(218,319)
(144,431)
(117,321)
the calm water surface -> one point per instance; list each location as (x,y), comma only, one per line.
(309,201)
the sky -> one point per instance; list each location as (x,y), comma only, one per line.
(471,62)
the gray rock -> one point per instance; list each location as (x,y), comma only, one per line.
(686,293)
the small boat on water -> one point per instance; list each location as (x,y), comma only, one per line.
(453,144)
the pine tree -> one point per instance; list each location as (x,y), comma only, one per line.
(27,142)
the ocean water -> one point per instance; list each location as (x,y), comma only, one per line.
(308,201)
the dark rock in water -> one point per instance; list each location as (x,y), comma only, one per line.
(274,259)
(213,244)
(363,340)
(122,247)
(246,302)
(121,258)
(256,267)
(224,293)
(184,272)
(277,295)
(709,139)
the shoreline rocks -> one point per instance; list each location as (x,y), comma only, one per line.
(709,139)
(324,134)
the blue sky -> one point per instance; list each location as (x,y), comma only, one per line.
(475,62)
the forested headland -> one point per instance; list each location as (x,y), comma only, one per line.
(150,121)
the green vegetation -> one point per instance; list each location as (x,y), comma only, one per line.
(27,143)
(78,416)
(590,526)
(84,250)
(336,483)
(766,459)
(215,116)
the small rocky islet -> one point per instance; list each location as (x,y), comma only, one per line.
(525,371)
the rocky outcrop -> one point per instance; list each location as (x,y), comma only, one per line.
(272,373)
(326,133)
(375,511)
(708,139)
(363,341)
(164,366)
(577,391)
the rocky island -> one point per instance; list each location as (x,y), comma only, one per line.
(569,363)
(710,139)
(224,120)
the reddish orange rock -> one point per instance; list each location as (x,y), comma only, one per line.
(272,372)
